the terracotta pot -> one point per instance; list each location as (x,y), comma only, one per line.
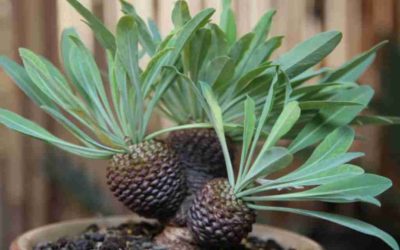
(54,231)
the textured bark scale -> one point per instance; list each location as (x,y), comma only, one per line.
(201,155)
(217,217)
(149,179)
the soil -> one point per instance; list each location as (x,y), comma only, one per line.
(133,236)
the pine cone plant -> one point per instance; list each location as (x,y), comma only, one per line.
(110,121)
(237,67)
(224,210)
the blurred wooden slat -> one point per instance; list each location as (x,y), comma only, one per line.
(68,17)
(6,48)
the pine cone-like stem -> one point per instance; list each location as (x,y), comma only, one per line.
(217,217)
(201,155)
(149,179)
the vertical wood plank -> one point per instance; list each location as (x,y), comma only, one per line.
(335,18)
(163,15)
(6,88)
(242,11)
(68,17)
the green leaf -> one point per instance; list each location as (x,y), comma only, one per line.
(363,120)
(263,52)
(354,224)
(151,73)
(309,53)
(315,167)
(127,51)
(24,126)
(307,75)
(349,189)
(155,33)
(77,132)
(67,46)
(337,142)
(103,35)
(219,72)
(180,13)
(316,105)
(228,22)
(198,49)
(218,123)
(249,124)
(353,69)
(331,175)
(145,37)
(315,88)
(285,122)
(186,32)
(239,48)
(38,72)
(332,117)
(219,46)
(241,84)
(260,31)
(21,78)
(270,161)
(86,72)
(267,107)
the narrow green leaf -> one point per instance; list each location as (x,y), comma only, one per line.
(260,31)
(270,161)
(285,122)
(331,175)
(217,121)
(197,52)
(145,37)
(24,126)
(249,125)
(337,142)
(309,53)
(127,51)
(240,47)
(307,75)
(354,224)
(352,70)
(317,105)
(332,117)
(228,22)
(180,13)
(67,47)
(21,78)
(103,35)
(349,189)
(316,167)
(86,72)
(364,120)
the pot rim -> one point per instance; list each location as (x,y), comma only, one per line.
(53,231)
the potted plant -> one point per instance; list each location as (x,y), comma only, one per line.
(219,90)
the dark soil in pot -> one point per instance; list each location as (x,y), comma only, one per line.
(132,236)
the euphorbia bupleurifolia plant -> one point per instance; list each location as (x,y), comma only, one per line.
(218,89)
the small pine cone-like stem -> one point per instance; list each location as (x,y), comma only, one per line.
(201,155)
(217,218)
(149,179)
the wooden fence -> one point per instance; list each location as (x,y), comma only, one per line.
(30,197)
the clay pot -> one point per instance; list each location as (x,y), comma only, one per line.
(54,231)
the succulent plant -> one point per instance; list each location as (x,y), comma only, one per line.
(144,173)
(223,211)
(201,76)
(236,67)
